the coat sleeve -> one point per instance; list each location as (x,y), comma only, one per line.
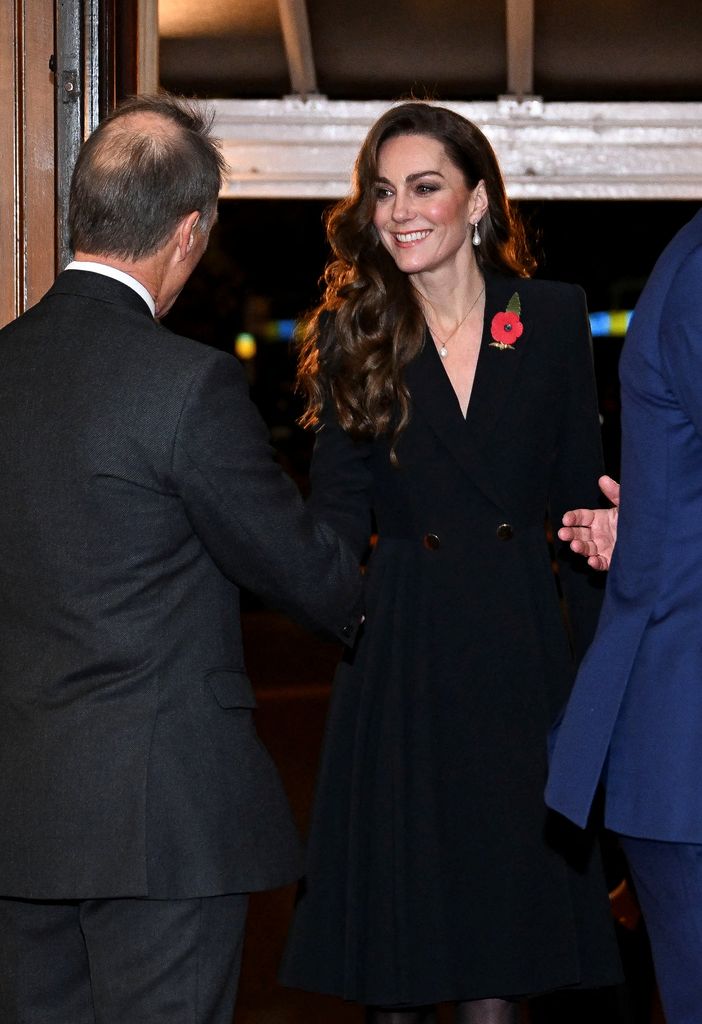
(248,513)
(578,466)
(681,338)
(340,479)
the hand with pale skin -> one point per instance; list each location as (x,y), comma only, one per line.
(592,532)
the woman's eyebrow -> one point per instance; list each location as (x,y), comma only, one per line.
(413,177)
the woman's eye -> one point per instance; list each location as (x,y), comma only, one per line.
(382,193)
(425,189)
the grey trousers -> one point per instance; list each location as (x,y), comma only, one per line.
(115,961)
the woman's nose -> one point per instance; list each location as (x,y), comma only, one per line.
(402,209)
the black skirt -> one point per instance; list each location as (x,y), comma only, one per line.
(434,870)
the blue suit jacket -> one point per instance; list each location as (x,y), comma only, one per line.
(635,714)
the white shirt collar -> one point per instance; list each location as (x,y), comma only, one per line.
(117,275)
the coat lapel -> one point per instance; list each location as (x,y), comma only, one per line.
(495,376)
(497,369)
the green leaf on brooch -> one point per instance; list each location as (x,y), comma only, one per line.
(514,305)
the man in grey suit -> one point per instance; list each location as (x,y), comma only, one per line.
(139,492)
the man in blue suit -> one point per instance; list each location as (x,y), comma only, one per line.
(634,719)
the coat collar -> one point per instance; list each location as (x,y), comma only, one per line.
(496,372)
(97,286)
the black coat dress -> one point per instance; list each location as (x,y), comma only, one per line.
(434,872)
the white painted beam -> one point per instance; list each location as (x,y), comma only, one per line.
(298,47)
(306,149)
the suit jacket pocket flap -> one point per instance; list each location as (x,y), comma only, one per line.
(232,689)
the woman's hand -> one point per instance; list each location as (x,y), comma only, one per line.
(592,532)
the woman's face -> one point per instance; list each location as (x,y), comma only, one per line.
(423,206)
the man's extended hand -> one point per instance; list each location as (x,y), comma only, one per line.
(592,532)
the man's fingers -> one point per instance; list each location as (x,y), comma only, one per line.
(577,544)
(610,489)
(575,534)
(578,517)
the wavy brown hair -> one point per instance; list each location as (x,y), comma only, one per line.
(355,345)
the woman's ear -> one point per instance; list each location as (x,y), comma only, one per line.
(478,202)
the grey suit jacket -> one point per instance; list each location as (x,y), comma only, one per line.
(139,493)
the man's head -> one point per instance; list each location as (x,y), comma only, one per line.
(146,167)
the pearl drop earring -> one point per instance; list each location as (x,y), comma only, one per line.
(476,235)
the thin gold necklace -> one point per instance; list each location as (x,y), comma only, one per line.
(443,351)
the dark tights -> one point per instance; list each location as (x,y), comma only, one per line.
(487,1011)
(418,1015)
(476,1011)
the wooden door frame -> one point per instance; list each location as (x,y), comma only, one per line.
(63,65)
(27,193)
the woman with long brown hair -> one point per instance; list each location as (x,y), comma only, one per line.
(455,406)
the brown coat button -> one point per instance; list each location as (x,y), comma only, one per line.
(431,541)
(505,531)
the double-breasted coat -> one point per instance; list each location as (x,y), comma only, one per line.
(139,492)
(433,871)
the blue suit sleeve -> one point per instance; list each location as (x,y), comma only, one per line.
(681,338)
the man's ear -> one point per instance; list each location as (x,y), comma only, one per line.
(185,233)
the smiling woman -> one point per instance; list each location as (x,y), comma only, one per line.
(434,873)
(424,218)
(425,181)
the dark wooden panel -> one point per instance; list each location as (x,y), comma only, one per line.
(9,213)
(27,207)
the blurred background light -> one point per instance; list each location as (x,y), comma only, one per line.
(280,330)
(245,346)
(612,324)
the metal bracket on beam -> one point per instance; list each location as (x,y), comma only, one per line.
(520,48)
(298,47)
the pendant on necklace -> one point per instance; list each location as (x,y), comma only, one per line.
(443,351)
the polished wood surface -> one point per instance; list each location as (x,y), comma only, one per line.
(27,205)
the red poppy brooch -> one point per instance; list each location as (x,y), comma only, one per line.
(507,327)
